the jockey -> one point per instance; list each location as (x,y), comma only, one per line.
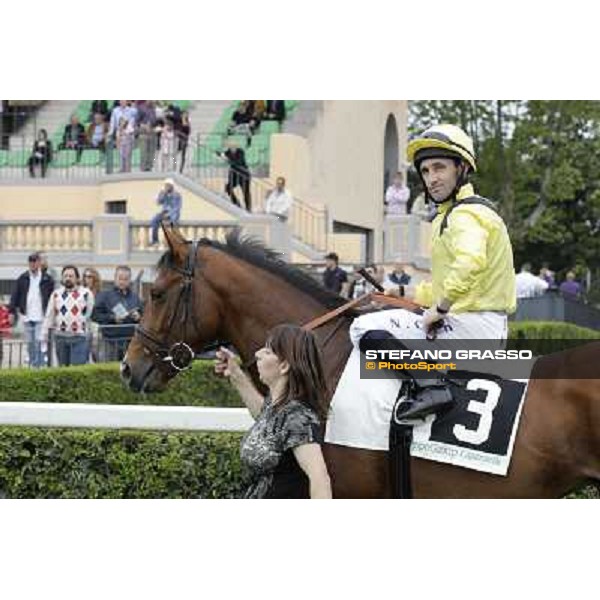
(473,278)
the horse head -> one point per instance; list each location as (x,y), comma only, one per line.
(171,332)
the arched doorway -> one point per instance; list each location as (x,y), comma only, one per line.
(390,151)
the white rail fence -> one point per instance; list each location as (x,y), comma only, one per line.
(111,416)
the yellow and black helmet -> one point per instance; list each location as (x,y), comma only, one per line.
(442,141)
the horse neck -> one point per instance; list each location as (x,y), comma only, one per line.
(253,301)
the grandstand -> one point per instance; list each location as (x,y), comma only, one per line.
(335,155)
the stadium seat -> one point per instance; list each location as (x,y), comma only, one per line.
(64,158)
(204,157)
(261,140)
(255,156)
(18,158)
(214,141)
(135,158)
(3,157)
(90,158)
(269,127)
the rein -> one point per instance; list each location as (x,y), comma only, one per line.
(378,297)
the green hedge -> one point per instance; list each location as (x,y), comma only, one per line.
(554,330)
(100,384)
(68,463)
(73,463)
(546,337)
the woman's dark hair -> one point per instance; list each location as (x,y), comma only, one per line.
(97,285)
(306,381)
(44,132)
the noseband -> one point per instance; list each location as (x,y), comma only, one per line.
(179,356)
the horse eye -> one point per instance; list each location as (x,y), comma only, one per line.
(156,295)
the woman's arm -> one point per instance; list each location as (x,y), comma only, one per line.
(228,365)
(311,461)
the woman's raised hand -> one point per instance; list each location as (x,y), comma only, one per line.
(227,362)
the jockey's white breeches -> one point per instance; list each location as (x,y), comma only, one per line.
(405,325)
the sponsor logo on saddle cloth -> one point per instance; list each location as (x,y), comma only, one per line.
(477,433)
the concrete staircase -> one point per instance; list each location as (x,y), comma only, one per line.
(204,115)
(52,115)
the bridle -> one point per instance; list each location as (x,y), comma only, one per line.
(179,356)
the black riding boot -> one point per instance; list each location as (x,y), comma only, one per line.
(427,395)
(430,396)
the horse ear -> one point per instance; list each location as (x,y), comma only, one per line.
(177,243)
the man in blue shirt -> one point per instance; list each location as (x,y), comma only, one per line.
(169,200)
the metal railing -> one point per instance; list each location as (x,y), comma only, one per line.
(144,155)
(101,348)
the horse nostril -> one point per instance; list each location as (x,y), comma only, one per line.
(125,371)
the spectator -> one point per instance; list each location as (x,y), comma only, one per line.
(279,201)
(68,314)
(93,282)
(30,299)
(146,122)
(239,175)
(398,277)
(243,120)
(548,276)
(397,195)
(421,208)
(117,311)
(183,136)
(360,286)
(334,279)
(41,153)
(124,110)
(169,199)
(4,327)
(168,147)
(173,113)
(570,288)
(99,107)
(260,107)
(97,132)
(528,285)
(74,137)
(275,111)
(125,141)
(46,268)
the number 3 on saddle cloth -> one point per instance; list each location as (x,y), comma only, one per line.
(476,432)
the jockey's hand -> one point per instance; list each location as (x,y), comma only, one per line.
(430,317)
(227,363)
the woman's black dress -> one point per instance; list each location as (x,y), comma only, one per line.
(267,450)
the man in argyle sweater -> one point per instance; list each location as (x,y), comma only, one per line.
(69,311)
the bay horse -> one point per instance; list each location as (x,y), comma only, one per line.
(238,290)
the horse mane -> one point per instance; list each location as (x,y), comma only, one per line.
(254,252)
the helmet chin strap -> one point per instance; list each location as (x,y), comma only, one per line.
(461,180)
